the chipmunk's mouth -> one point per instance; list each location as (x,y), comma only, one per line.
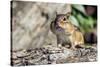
(59,28)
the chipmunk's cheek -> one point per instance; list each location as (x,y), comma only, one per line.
(61,24)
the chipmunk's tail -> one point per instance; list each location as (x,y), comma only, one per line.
(90,38)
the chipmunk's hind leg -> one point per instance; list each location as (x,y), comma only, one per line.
(78,46)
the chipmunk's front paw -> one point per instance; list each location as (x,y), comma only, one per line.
(59,45)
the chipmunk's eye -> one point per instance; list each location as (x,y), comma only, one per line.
(64,19)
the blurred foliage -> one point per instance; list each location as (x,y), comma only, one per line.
(84,16)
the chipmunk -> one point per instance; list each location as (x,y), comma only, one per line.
(67,34)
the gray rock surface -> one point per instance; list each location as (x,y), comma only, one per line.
(31,22)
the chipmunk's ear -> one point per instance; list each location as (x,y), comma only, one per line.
(68,15)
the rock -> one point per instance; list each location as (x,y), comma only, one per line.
(31,23)
(16,61)
(39,56)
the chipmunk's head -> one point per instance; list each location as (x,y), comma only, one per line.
(62,19)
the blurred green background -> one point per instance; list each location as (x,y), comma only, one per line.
(84,16)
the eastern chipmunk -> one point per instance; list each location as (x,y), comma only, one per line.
(67,34)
